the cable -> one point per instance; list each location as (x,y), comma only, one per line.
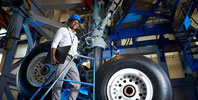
(107,40)
(111,51)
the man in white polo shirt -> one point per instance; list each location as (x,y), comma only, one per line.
(66,36)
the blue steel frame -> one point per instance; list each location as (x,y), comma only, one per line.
(7,78)
(192,62)
(189,62)
(29,37)
(60,79)
(140,29)
(156,29)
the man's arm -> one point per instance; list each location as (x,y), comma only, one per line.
(54,45)
(55,61)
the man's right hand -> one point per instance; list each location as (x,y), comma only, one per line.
(55,61)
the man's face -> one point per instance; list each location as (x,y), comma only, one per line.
(74,24)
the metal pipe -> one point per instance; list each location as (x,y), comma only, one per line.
(98,55)
(84,83)
(94,79)
(97,48)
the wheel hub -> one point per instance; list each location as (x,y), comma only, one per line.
(45,70)
(129,84)
(129,91)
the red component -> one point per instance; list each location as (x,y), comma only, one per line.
(4,18)
(87,4)
(140,75)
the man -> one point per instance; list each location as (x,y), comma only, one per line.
(66,36)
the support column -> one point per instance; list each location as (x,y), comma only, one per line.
(98,42)
(186,66)
(161,58)
(98,55)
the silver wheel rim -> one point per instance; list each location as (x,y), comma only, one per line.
(34,75)
(129,84)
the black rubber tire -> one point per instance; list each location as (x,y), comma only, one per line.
(26,89)
(162,89)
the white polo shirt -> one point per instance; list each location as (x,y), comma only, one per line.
(64,37)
